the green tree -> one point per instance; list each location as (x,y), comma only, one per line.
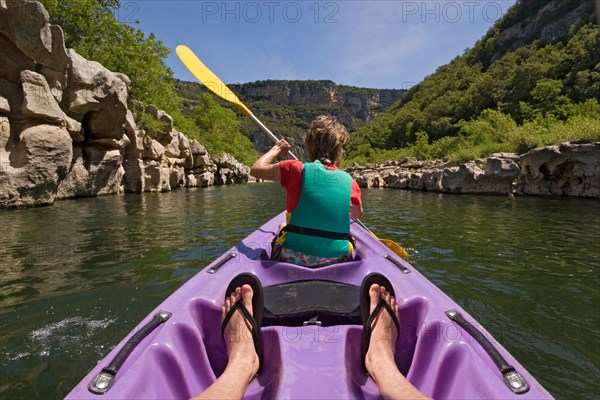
(93,31)
(219,130)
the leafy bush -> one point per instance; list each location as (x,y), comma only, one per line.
(219,131)
(148,122)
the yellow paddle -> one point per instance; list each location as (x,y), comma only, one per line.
(393,246)
(216,85)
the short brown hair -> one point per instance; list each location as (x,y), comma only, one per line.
(326,138)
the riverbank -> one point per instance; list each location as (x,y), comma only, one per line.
(67,130)
(568,169)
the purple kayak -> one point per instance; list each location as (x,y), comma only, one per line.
(311,335)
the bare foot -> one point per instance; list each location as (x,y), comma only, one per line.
(238,336)
(384,334)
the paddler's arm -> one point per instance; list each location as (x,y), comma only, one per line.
(263,167)
(356,209)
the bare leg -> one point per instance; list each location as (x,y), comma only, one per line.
(380,356)
(243,360)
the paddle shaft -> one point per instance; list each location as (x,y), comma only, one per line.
(214,84)
(267,132)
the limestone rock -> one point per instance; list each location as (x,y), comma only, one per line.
(33,165)
(130,125)
(566,170)
(172,146)
(152,149)
(38,101)
(324,93)
(13,98)
(94,171)
(25,23)
(134,175)
(500,174)
(571,169)
(97,97)
(4,106)
(432,180)
(202,161)
(75,129)
(204,179)
(177,177)
(156,177)
(13,60)
(229,170)
(461,179)
(197,148)
(5,139)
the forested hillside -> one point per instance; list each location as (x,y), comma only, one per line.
(532,80)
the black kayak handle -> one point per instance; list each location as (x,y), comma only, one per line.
(105,379)
(512,378)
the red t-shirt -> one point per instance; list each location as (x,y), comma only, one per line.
(291,180)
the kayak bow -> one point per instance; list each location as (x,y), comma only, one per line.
(311,332)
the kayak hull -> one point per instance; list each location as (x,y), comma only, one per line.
(185,354)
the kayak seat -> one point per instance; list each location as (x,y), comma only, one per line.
(311,302)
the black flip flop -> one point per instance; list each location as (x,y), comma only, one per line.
(257,308)
(365,306)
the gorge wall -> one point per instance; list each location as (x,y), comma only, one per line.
(362,103)
(66,130)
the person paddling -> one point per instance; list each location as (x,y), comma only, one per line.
(321,198)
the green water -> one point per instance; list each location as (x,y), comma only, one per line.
(77,276)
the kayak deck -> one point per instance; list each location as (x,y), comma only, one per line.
(185,354)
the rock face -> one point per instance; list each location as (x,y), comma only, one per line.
(550,23)
(66,131)
(570,169)
(361,103)
(565,170)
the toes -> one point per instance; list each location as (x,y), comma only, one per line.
(374,293)
(246,295)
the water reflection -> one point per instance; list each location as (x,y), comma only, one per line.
(79,244)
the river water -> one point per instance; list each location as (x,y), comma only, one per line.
(77,276)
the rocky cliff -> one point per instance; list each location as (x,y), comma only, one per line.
(543,20)
(569,169)
(66,130)
(362,103)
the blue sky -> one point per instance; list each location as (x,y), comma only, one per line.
(378,44)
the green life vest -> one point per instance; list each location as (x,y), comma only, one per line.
(323,209)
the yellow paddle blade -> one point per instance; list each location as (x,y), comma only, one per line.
(396,248)
(393,246)
(208,78)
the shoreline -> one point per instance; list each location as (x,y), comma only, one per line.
(570,169)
